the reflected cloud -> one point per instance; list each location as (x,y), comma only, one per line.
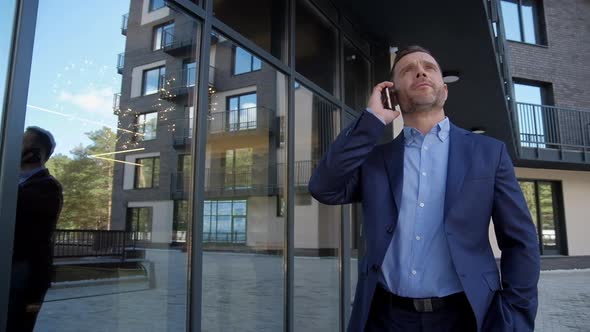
(93,100)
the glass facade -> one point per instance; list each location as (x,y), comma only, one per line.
(127,167)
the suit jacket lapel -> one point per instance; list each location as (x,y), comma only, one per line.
(394,163)
(458,165)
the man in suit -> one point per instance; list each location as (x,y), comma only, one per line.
(38,207)
(427,199)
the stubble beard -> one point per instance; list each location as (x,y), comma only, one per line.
(410,106)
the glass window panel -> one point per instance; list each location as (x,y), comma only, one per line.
(7,18)
(317,226)
(243,61)
(530,21)
(528,190)
(151,80)
(224,208)
(530,116)
(191,74)
(357,79)
(244,177)
(547,209)
(511,19)
(256,63)
(316,52)
(261,21)
(239,208)
(157,4)
(94,161)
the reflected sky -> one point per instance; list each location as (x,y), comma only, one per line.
(74,68)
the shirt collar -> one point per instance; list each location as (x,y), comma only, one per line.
(441,130)
(24,176)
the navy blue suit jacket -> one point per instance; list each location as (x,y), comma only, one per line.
(481,184)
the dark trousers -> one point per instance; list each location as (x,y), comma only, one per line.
(387,315)
(25,300)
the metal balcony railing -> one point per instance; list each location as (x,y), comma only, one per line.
(120,62)
(117,103)
(240,120)
(178,41)
(247,179)
(178,83)
(124,24)
(550,127)
(92,243)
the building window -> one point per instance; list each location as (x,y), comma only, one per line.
(245,62)
(163,36)
(180,221)
(238,168)
(544,201)
(157,4)
(190,73)
(147,125)
(147,172)
(152,80)
(139,222)
(225,221)
(523,21)
(535,118)
(242,112)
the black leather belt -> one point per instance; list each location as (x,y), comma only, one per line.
(431,304)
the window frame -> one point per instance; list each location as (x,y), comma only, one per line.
(558,214)
(539,25)
(163,27)
(234,61)
(138,125)
(154,175)
(152,8)
(237,124)
(159,84)
(215,213)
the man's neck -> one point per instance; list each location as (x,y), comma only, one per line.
(424,121)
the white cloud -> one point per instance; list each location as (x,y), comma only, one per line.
(93,100)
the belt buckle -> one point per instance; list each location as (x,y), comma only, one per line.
(423,305)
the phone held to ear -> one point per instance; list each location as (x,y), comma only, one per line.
(388,98)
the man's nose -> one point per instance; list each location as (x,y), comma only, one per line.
(420,73)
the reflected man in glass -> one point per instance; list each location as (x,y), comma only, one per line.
(40,199)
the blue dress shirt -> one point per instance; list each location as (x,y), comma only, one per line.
(24,176)
(418,262)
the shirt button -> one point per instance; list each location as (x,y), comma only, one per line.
(418,238)
(414,272)
(421,204)
(425,148)
(423,173)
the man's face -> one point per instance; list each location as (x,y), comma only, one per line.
(28,146)
(419,83)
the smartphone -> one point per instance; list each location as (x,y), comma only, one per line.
(388,98)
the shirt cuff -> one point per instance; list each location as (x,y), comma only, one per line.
(375,115)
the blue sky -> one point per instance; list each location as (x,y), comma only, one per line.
(73,75)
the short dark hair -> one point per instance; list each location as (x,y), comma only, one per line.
(43,139)
(409,50)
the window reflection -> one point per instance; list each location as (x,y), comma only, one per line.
(123,126)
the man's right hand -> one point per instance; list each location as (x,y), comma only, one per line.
(376,104)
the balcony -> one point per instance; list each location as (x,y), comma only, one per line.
(556,134)
(242,121)
(124,24)
(178,41)
(182,133)
(117,103)
(178,84)
(120,62)
(249,180)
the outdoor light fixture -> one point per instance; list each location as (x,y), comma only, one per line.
(478,130)
(450,76)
